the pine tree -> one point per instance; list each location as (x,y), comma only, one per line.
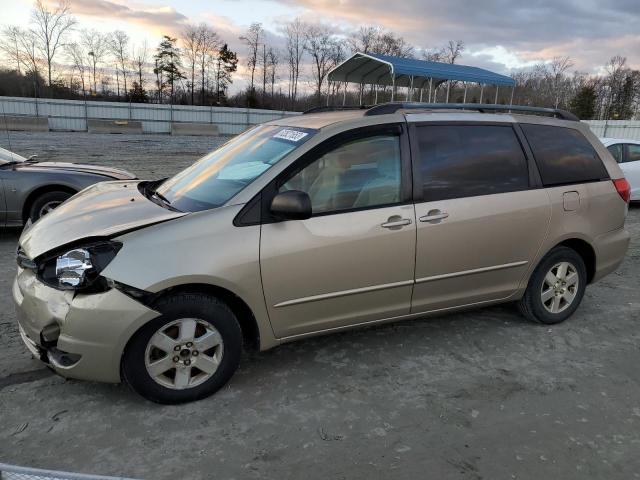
(168,63)
(226,64)
(584,102)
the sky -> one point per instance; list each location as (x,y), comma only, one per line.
(501,35)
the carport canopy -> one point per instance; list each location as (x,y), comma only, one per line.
(377,69)
(384,70)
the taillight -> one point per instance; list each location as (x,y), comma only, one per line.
(623,188)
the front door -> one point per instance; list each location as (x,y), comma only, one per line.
(479,222)
(353,261)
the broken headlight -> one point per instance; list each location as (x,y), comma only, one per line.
(79,268)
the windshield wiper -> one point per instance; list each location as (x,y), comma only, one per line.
(157,194)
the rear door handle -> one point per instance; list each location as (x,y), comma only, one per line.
(434,217)
(396,223)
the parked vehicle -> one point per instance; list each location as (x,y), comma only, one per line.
(314,224)
(30,189)
(627,154)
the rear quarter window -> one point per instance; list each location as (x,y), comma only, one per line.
(563,155)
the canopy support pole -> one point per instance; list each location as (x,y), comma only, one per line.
(393,87)
(496,101)
(448,87)
(513,90)
(421,90)
(430,86)
(361,88)
(481,91)
(328,91)
(464,98)
(410,94)
(344,94)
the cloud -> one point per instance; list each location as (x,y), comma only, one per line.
(162,19)
(587,30)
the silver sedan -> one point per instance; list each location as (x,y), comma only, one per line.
(30,189)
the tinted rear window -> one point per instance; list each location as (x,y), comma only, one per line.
(563,155)
(470,160)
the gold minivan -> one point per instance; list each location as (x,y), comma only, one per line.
(317,223)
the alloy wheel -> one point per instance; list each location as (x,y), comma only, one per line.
(184,353)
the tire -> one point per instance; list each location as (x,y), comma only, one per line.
(563,298)
(47,201)
(181,380)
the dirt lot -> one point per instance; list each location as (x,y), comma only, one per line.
(482,394)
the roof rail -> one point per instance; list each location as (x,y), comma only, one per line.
(334,108)
(385,108)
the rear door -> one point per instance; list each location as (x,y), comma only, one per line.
(353,261)
(481,219)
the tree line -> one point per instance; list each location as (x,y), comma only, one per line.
(53,57)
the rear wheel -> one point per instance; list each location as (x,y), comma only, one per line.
(46,203)
(556,287)
(187,353)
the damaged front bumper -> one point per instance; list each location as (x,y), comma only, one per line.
(79,335)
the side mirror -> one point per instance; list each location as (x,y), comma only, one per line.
(32,158)
(291,205)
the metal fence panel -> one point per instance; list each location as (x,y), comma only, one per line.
(628,129)
(71,115)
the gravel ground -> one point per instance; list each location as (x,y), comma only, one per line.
(148,156)
(481,394)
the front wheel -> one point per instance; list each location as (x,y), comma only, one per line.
(46,203)
(187,353)
(556,287)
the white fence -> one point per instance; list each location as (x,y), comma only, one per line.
(72,115)
(629,129)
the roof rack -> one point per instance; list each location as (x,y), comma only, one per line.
(386,108)
(333,108)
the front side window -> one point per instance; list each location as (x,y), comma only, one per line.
(616,151)
(470,160)
(563,155)
(219,175)
(633,152)
(362,173)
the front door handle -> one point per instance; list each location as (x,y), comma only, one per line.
(434,216)
(396,222)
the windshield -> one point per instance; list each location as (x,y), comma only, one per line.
(6,156)
(219,175)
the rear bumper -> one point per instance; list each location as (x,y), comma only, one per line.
(91,331)
(611,248)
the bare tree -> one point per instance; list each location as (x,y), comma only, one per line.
(140,59)
(191,41)
(96,47)
(557,68)
(320,45)
(273,58)
(296,44)
(253,39)
(452,51)
(209,46)
(52,25)
(365,39)
(119,46)
(10,45)
(79,61)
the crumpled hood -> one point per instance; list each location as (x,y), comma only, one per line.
(110,172)
(101,210)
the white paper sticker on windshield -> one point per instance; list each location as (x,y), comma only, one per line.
(291,135)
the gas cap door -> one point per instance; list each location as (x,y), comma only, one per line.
(571,201)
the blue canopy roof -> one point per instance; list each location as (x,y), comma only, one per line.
(377,69)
